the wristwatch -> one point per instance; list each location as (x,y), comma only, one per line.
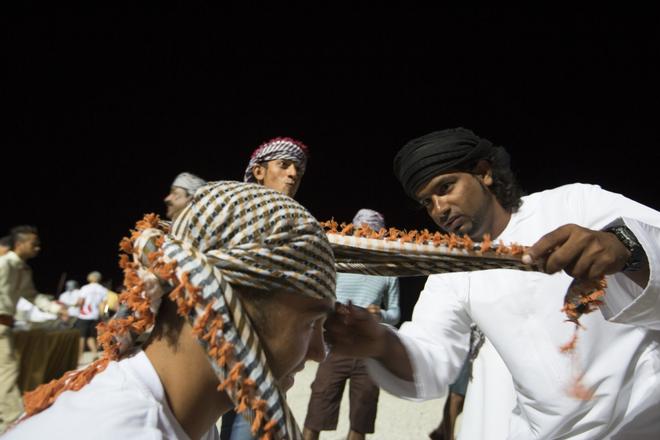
(628,239)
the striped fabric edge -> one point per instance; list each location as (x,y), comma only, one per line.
(227,304)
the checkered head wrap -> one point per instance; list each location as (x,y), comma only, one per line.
(189,182)
(277,148)
(373,219)
(232,234)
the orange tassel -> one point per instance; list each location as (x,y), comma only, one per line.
(269,430)
(517,249)
(44,395)
(453,241)
(468,243)
(259,408)
(501,248)
(570,345)
(233,377)
(486,243)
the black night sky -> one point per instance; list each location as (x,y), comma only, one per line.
(107,106)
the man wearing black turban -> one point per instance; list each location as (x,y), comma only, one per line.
(455,149)
(522,381)
(438,152)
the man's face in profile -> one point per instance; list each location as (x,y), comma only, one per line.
(175,201)
(291,332)
(28,246)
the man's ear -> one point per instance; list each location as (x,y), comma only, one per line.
(259,173)
(484,171)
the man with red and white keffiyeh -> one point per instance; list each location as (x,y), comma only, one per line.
(278,164)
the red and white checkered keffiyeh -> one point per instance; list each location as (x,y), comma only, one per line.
(278,148)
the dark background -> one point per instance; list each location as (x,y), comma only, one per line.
(107,106)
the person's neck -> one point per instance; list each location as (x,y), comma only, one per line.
(499,220)
(189,382)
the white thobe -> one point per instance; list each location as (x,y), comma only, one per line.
(519,312)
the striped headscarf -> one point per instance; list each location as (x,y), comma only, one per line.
(277,148)
(189,182)
(232,233)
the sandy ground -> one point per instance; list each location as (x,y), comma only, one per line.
(397,418)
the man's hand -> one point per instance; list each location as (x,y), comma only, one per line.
(375,311)
(581,252)
(352,331)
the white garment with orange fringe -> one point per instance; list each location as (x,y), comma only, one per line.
(128,402)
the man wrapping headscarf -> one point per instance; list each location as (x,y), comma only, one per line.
(232,236)
(455,149)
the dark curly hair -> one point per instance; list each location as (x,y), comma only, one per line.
(505,186)
(456,150)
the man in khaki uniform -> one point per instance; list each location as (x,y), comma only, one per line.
(5,245)
(15,282)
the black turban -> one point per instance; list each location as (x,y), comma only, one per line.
(435,153)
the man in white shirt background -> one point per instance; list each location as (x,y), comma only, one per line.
(91,297)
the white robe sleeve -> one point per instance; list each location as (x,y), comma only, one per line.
(436,340)
(627,303)
(624,302)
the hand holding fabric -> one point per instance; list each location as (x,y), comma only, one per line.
(582,253)
(353,331)
(375,310)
